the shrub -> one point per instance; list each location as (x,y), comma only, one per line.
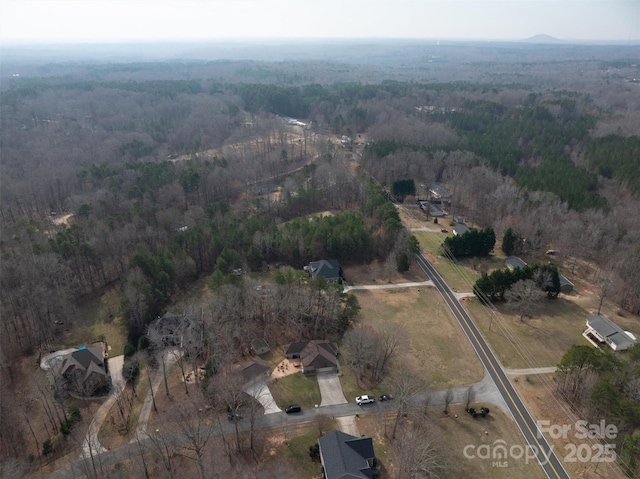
(47,447)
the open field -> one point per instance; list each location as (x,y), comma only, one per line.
(437,347)
(540,341)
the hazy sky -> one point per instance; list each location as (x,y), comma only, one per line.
(149,20)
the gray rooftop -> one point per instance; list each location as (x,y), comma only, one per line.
(610,331)
(346,456)
(514,262)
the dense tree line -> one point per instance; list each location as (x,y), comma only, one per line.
(494,285)
(471,243)
(603,385)
(616,157)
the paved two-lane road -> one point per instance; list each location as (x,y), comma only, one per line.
(550,463)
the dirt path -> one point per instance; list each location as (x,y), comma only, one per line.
(145,411)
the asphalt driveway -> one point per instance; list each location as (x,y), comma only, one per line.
(330,389)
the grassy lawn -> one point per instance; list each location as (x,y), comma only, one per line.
(437,348)
(349,384)
(537,342)
(296,389)
(296,452)
(99,319)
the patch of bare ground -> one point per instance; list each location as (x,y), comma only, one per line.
(538,394)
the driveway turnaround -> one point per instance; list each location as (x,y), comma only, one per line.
(330,389)
(259,390)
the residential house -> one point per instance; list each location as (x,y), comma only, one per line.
(459,230)
(315,356)
(84,371)
(601,330)
(328,268)
(344,456)
(255,369)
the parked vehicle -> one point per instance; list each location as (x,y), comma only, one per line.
(293,408)
(360,400)
(385,397)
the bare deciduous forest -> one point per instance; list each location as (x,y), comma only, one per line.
(145,176)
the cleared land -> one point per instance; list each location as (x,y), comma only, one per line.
(437,349)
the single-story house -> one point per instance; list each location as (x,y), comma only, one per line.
(328,268)
(566,286)
(601,329)
(260,346)
(85,370)
(344,456)
(315,356)
(459,230)
(513,262)
(254,369)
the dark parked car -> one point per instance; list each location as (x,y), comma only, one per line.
(385,397)
(293,408)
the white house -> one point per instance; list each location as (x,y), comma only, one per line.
(601,330)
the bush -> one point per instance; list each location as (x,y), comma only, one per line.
(129,350)
(47,447)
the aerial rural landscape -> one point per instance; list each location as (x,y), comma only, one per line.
(320,259)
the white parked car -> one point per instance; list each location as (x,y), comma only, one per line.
(360,400)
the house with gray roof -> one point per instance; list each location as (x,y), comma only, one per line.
(459,229)
(344,456)
(601,330)
(328,268)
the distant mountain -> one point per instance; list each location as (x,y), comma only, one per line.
(542,38)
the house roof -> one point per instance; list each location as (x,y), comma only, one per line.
(329,268)
(564,281)
(254,368)
(89,360)
(345,456)
(610,331)
(319,354)
(259,343)
(514,262)
(296,348)
(460,229)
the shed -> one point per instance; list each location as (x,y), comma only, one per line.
(513,262)
(566,286)
(260,346)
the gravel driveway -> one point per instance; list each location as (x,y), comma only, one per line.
(330,389)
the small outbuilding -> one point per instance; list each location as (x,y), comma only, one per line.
(513,262)
(601,330)
(566,286)
(260,346)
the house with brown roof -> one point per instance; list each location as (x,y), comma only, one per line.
(85,371)
(315,356)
